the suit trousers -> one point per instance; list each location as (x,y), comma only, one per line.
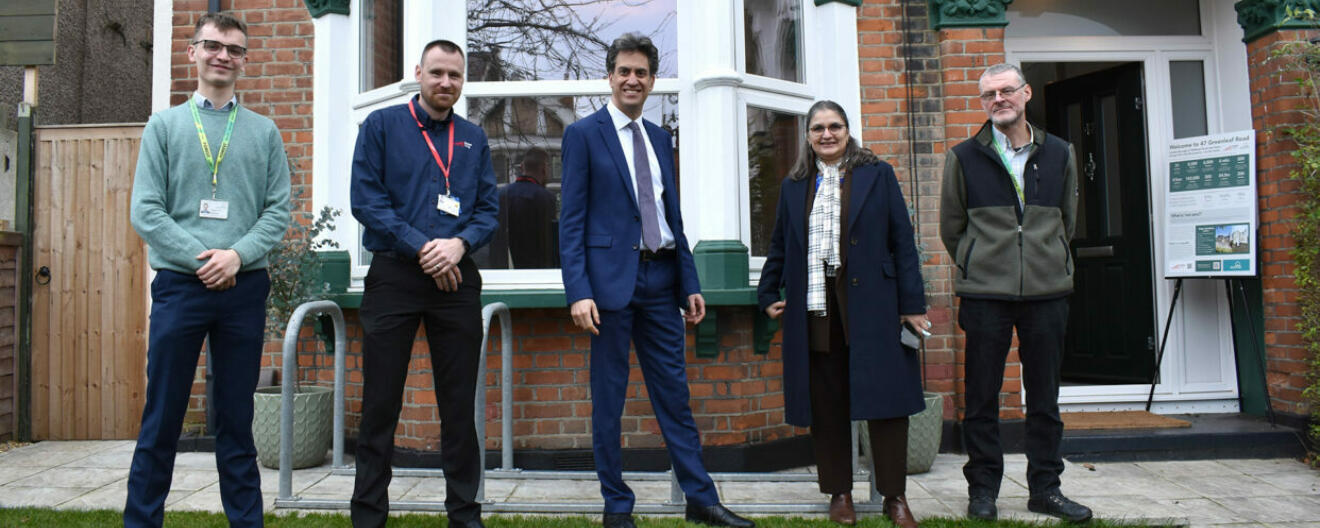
(989,325)
(652,322)
(831,420)
(398,296)
(183,315)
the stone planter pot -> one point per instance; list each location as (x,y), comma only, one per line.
(313,407)
(924,431)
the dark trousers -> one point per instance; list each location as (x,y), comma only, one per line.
(184,314)
(397,297)
(831,421)
(989,326)
(652,322)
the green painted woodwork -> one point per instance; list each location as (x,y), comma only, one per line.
(321,7)
(1262,17)
(854,3)
(967,13)
(335,270)
(721,264)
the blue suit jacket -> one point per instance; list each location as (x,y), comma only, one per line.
(599,222)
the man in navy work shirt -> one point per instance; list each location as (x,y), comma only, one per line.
(424,189)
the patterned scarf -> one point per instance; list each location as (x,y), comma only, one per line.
(823,234)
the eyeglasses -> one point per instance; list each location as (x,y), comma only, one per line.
(214,46)
(1005,93)
(834,128)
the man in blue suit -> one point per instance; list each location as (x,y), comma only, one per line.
(628,271)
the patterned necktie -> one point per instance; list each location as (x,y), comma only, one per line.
(645,194)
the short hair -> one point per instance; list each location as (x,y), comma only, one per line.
(447,46)
(535,156)
(632,42)
(222,22)
(1001,68)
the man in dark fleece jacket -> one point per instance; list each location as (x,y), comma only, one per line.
(1007,211)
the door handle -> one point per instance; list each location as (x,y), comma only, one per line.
(1095,252)
(43,275)
(1090,166)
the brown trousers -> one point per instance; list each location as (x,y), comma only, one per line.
(831,427)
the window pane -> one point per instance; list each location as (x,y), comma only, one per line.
(1187,79)
(382,35)
(773,139)
(772,37)
(569,39)
(528,235)
(1088,18)
(1113,192)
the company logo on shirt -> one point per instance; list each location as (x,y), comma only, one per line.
(463,144)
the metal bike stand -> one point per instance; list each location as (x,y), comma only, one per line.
(674,505)
(289,365)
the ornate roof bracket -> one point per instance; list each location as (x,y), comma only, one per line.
(967,13)
(321,7)
(1259,18)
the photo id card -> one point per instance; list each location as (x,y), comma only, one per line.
(216,209)
(447,204)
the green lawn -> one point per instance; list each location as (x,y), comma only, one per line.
(39,517)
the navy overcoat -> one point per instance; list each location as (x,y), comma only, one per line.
(880,278)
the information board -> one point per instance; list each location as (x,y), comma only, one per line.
(1210,207)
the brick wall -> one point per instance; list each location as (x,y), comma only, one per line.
(9,248)
(1276,102)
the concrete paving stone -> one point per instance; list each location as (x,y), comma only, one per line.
(206,499)
(39,497)
(575,491)
(1274,509)
(928,508)
(779,492)
(1182,469)
(1305,482)
(76,446)
(1107,470)
(1151,487)
(110,458)
(195,460)
(1195,511)
(109,497)
(62,477)
(1238,486)
(31,456)
(1257,466)
(1132,508)
(11,474)
(302,479)
(341,487)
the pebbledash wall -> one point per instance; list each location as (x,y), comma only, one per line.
(918,89)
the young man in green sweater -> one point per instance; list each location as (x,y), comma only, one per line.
(210,198)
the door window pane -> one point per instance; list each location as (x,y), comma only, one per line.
(1088,18)
(1113,191)
(772,36)
(382,35)
(525,134)
(773,140)
(518,40)
(1074,127)
(1187,81)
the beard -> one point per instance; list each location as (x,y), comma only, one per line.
(1003,121)
(437,100)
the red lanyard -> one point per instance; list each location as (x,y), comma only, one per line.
(435,154)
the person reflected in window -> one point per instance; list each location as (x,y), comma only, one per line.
(527,214)
(843,250)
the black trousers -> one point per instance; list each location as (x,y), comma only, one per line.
(397,297)
(989,326)
(831,422)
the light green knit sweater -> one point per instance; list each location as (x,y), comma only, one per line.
(173,177)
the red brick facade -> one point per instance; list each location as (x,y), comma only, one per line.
(1277,102)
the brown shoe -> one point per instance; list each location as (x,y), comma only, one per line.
(896,509)
(841,509)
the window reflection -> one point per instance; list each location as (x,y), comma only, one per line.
(513,40)
(773,139)
(772,34)
(525,134)
(382,54)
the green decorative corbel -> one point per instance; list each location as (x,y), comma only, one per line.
(321,7)
(1262,17)
(854,3)
(967,13)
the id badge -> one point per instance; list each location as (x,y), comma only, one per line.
(216,209)
(447,204)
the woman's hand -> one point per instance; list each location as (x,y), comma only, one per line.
(775,309)
(918,321)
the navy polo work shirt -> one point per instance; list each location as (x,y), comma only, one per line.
(396,182)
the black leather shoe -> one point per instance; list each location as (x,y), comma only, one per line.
(1059,506)
(716,515)
(474,523)
(618,520)
(982,507)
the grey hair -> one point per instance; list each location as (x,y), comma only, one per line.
(1004,67)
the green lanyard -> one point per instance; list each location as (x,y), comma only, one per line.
(1008,164)
(214,163)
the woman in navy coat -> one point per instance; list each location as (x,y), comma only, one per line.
(843,252)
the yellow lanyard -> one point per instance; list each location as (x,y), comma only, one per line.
(214,163)
(1008,165)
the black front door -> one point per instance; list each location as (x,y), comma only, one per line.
(1111,326)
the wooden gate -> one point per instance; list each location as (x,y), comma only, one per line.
(89,301)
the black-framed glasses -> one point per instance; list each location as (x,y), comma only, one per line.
(1004,92)
(834,128)
(214,46)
